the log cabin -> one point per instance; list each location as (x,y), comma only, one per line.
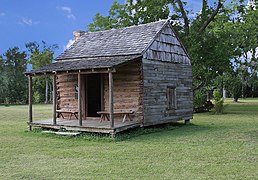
(113,80)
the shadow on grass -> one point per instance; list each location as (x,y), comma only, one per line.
(238,102)
(10,105)
(243,112)
(169,129)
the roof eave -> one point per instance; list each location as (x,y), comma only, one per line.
(106,68)
(89,57)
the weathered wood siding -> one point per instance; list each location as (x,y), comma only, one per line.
(167,47)
(166,64)
(128,91)
(66,92)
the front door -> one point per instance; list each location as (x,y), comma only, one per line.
(93,94)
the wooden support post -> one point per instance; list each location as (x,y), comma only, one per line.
(111,100)
(79,99)
(54,99)
(30,103)
(187,121)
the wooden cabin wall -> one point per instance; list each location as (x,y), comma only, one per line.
(158,76)
(166,47)
(66,92)
(128,90)
(166,64)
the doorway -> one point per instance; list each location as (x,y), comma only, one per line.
(94,95)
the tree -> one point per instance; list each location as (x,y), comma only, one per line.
(233,85)
(41,56)
(246,27)
(12,80)
(2,77)
(130,13)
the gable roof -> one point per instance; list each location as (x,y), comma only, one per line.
(113,48)
(124,41)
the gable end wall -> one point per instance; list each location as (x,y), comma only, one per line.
(166,47)
(166,64)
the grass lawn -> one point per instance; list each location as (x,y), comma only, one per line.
(211,147)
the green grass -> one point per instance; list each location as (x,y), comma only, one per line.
(212,147)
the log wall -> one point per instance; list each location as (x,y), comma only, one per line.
(66,92)
(166,64)
(128,90)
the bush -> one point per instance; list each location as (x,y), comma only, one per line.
(218,101)
(36,97)
(200,102)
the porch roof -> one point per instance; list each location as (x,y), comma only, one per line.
(84,64)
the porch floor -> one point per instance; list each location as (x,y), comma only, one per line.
(89,125)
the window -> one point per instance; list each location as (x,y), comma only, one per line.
(171,97)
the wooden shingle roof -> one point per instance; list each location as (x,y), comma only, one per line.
(84,64)
(124,41)
(106,49)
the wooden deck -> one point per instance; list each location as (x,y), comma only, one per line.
(92,125)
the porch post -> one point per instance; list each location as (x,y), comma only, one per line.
(54,99)
(79,100)
(111,100)
(30,103)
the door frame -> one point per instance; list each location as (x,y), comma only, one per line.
(86,95)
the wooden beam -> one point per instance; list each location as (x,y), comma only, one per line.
(54,99)
(79,99)
(187,121)
(96,71)
(111,100)
(86,96)
(87,71)
(30,102)
(102,92)
(83,99)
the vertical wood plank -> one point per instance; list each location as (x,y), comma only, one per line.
(111,100)
(83,100)
(46,93)
(54,99)
(30,102)
(79,99)
(102,92)
(86,96)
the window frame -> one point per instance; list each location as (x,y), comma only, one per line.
(171,98)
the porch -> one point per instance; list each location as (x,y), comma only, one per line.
(89,125)
(88,93)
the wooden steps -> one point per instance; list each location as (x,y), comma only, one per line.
(63,133)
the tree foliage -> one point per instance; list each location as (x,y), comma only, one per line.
(233,85)
(130,13)
(41,55)
(218,101)
(13,83)
(14,63)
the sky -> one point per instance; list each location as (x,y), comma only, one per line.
(52,21)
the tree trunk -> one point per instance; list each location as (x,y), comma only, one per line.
(214,13)
(184,15)
(224,93)
(46,97)
(253,90)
